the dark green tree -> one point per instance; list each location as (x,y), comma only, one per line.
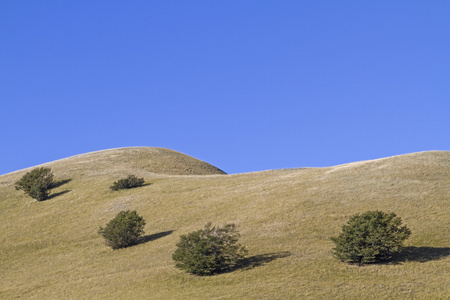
(37,183)
(124,230)
(209,251)
(127,183)
(370,237)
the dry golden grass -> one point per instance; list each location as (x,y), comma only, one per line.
(51,249)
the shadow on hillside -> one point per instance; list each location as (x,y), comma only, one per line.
(60,183)
(258,260)
(135,187)
(420,254)
(57,184)
(152,237)
(51,196)
(129,188)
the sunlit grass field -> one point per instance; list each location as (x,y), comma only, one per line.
(51,249)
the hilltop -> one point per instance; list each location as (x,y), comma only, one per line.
(142,160)
(51,249)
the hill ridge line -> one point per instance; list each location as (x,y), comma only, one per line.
(161,149)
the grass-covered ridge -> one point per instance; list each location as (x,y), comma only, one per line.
(51,249)
(139,160)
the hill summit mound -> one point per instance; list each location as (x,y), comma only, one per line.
(133,160)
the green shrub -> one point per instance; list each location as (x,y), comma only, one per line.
(370,237)
(209,251)
(124,230)
(127,183)
(36,183)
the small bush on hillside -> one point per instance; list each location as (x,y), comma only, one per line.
(124,230)
(370,237)
(127,183)
(209,251)
(36,183)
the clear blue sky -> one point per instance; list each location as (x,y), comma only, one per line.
(243,85)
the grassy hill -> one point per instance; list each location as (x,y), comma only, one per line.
(51,249)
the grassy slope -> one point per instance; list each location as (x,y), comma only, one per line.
(51,249)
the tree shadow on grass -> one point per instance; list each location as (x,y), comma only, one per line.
(152,237)
(59,183)
(112,188)
(257,261)
(135,187)
(420,254)
(51,196)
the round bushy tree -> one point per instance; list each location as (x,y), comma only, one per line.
(209,251)
(124,230)
(127,183)
(370,237)
(36,183)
